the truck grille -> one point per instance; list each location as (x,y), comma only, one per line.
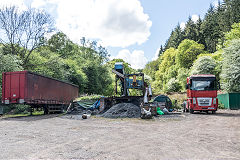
(204,101)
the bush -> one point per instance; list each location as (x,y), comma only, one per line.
(221,106)
(8,63)
(230,76)
(16,109)
(183,73)
(172,85)
(204,65)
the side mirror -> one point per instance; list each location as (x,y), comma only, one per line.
(219,86)
(187,86)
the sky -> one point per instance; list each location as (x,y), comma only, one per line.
(130,29)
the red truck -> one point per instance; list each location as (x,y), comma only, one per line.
(38,91)
(201,93)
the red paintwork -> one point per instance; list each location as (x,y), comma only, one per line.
(192,93)
(36,89)
(195,94)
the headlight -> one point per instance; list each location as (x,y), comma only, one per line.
(194,100)
(214,100)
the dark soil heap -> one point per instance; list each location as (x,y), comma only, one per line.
(123,110)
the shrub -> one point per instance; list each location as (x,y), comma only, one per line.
(172,85)
(230,76)
(204,65)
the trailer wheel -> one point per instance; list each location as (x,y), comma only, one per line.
(191,111)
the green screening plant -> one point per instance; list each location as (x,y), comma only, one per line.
(8,63)
(172,85)
(233,34)
(204,65)
(188,50)
(230,76)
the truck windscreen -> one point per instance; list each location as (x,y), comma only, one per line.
(203,85)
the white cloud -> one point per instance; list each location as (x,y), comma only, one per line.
(195,18)
(156,55)
(117,23)
(182,25)
(38,3)
(136,59)
(19,3)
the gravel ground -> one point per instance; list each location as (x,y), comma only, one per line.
(123,110)
(176,136)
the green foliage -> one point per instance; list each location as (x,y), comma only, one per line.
(188,51)
(177,35)
(233,34)
(204,65)
(166,70)
(172,85)
(8,63)
(221,105)
(92,97)
(151,68)
(182,75)
(97,78)
(81,65)
(127,67)
(20,109)
(47,63)
(199,48)
(230,76)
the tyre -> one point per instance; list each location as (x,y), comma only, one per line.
(213,112)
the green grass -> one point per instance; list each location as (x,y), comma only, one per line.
(36,113)
(88,98)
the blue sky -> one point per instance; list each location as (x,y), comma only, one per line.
(130,29)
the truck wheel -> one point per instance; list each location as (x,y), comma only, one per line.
(191,111)
(213,112)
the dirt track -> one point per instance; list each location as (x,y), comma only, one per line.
(182,136)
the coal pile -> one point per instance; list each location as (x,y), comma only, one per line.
(123,110)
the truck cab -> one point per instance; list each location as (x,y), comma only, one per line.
(201,93)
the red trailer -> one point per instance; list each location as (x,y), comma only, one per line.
(38,91)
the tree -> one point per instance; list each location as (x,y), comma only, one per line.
(211,30)
(204,65)
(8,63)
(190,30)
(233,34)
(175,38)
(161,50)
(182,75)
(166,70)
(151,68)
(61,44)
(230,76)
(23,31)
(188,51)
(172,85)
